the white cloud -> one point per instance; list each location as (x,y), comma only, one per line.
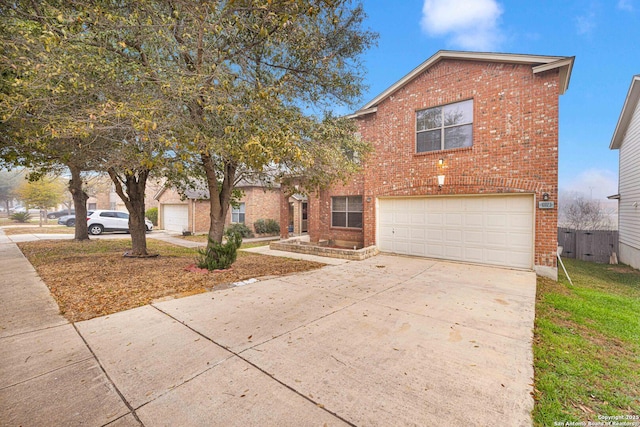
(585,24)
(471,24)
(625,5)
(593,183)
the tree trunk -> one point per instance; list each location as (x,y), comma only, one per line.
(219,196)
(79,203)
(135,183)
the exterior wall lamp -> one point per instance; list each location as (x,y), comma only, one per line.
(441,177)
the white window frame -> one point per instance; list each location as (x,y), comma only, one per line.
(238,215)
(347,211)
(443,127)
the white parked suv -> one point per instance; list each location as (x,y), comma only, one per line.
(101,220)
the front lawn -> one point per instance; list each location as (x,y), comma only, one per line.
(587,346)
(34,228)
(92,278)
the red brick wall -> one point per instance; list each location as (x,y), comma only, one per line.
(320,213)
(515,144)
(260,203)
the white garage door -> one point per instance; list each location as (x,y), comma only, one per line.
(496,230)
(175,218)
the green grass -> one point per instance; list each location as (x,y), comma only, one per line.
(587,344)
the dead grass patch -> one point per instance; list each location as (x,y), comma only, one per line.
(93,278)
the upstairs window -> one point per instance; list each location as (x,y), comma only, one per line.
(346,211)
(445,127)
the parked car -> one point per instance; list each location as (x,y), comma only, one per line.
(58,214)
(70,220)
(102,220)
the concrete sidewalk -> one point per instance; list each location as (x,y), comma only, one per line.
(385,341)
(48,375)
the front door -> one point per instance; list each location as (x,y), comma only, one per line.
(304,217)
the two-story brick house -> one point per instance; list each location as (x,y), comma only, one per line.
(465,148)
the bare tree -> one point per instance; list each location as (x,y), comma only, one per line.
(580,213)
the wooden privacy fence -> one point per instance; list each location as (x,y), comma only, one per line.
(588,245)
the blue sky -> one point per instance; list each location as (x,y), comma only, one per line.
(604,36)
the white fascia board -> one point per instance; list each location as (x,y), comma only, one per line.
(565,65)
(628,108)
(362,112)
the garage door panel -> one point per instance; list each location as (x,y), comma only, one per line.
(494,256)
(453,252)
(519,240)
(401,248)
(496,238)
(435,219)
(418,219)
(473,254)
(419,233)
(418,249)
(453,219)
(474,220)
(434,236)
(522,221)
(497,220)
(453,237)
(434,251)
(473,237)
(496,230)
(403,232)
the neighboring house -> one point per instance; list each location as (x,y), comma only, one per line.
(102,194)
(191,212)
(465,148)
(626,138)
(152,187)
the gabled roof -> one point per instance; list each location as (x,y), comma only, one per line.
(628,108)
(540,64)
(199,191)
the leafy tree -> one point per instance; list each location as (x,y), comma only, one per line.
(42,194)
(47,90)
(9,180)
(65,105)
(235,79)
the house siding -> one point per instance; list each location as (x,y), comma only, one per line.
(515,144)
(629,189)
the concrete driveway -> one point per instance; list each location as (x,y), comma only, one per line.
(386,341)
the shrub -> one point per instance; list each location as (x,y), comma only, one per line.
(243,230)
(152,214)
(20,217)
(266,226)
(218,256)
